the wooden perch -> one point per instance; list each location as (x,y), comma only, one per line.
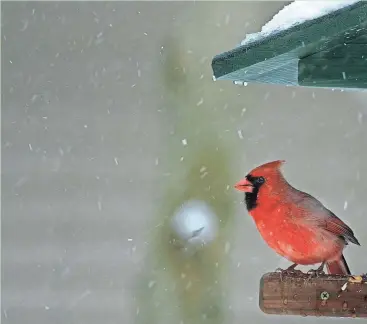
(301,294)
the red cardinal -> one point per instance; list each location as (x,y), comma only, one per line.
(293,223)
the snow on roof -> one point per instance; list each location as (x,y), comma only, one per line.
(296,13)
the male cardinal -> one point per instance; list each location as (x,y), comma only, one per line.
(293,223)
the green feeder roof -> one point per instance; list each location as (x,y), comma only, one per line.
(329,52)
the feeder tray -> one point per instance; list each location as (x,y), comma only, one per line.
(325,295)
(328,52)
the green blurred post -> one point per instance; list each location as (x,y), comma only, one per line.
(184,281)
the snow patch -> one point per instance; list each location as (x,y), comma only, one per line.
(297,13)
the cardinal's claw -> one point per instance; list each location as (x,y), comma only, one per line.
(289,271)
(317,272)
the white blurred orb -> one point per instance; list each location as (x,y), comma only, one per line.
(195,223)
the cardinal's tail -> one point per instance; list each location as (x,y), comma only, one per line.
(338,267)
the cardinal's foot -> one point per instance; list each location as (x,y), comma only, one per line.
(317,272)
(289,271)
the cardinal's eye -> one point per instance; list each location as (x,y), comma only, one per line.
(260,180)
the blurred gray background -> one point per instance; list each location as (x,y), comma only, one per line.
(86,132)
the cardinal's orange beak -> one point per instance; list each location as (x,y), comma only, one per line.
(244,185)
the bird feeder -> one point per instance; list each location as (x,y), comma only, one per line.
(323,295)
(328,51)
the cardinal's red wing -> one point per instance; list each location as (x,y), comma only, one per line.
(315,213)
